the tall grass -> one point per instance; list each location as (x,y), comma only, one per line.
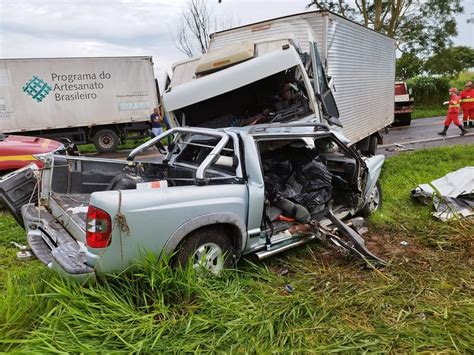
(334,307)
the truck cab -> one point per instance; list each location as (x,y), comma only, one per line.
(403,104)
(250,83)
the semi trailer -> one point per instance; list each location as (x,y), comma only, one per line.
(101,100)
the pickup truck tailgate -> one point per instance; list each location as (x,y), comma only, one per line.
(52,244)
(18,188)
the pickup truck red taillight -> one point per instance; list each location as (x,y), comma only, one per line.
(99,228)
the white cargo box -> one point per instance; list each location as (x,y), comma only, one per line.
(42,94)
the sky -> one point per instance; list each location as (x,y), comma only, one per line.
(76,28)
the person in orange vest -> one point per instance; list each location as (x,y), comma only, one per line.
(467,105)
(453,113)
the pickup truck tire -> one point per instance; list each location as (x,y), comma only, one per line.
(374,203)
(106,141)
(209,247)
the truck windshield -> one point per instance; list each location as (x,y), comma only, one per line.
(281,97)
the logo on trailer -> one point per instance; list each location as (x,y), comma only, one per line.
(37,88)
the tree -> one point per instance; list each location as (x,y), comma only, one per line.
(408,66)
(196,23)
(193,29)
(420,26)
(450,61)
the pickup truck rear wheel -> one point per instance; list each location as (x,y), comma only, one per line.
(106,141)
(208,248)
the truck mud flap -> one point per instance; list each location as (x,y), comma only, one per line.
(18,188)
(52,244)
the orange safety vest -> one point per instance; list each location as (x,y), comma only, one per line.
(453,106)
(467,99)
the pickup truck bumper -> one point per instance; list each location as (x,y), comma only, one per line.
(55,247)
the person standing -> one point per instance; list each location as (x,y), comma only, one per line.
(158,123)
(453,113)
(467,105)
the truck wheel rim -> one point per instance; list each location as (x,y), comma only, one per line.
(210,257)
(374,199)
(106,141)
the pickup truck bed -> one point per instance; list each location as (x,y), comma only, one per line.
(75,205)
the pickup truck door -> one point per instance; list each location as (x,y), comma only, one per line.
(321,87)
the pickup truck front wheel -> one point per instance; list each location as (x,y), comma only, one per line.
(374,202)
(208,248)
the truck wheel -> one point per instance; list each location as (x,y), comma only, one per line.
(375,201)
(209,248)
(403,119)
(372,145)
(106,141)
(406,119)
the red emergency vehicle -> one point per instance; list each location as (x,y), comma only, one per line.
(18,151)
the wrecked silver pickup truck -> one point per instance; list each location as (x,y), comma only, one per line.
(217,195)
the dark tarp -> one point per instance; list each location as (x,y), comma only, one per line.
(298,175)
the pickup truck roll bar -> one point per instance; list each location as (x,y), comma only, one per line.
(210,159)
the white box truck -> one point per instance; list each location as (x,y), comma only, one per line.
(314,66)
(101,100)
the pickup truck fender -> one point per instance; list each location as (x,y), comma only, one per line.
(208,220)
(374,164)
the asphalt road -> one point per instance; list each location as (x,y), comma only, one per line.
(422,133)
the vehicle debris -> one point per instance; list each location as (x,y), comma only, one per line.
(399,149)
(24,253)
(289,288)
(451,195)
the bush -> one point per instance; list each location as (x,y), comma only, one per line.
(462,79)
(429,91)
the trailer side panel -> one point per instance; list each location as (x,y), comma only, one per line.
(43,94)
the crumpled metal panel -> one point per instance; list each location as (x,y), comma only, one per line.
(452,195)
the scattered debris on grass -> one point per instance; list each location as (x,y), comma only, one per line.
(452,195)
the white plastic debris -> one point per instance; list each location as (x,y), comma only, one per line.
(77,210)
(404,243)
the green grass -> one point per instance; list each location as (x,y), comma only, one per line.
(424,301)
(429,111)
(128,144)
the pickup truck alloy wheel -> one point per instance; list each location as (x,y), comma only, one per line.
(374,202)
(206,248)
(374,199)
(209,256)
